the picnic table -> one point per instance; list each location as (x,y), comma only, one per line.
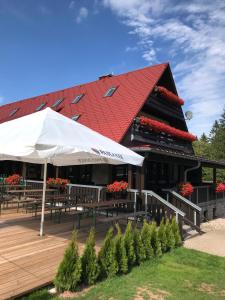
(109,205)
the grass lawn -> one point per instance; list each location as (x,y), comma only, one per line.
(181,274)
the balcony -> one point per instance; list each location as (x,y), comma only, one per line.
(145,135)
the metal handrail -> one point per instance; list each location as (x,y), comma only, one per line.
(186,201)
(166,203)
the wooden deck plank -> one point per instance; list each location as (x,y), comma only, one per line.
(28,261)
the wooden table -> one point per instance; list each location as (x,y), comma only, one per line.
(94,206)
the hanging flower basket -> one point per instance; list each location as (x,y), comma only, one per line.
(158,126)
(186,189)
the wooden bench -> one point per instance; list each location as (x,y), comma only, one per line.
(133,217)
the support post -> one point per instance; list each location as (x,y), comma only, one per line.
(43,200)
(129,176)
(214,176)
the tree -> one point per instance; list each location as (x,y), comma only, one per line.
(155,242)
(129,245)
(138,247)
(176,232)
(169,236)
(121,255)
(89,263)
(107,256)
(69,271)
(162,236)
(146,240)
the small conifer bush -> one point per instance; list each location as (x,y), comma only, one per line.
(107,256)
(69,271)
(138,247)
(121,255)
(162,236)
(176,232)
(89,263)
(169,236)
(155,242)
(146,240)
(129,245)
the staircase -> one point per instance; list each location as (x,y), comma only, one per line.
(187,213)
(189,232)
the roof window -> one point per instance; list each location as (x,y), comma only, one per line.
(77,98)
(110,92)
(75,117)
(13,112)
(39,107)
(57,102)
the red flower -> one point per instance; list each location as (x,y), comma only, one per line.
(162,127)
(220,187)
(57,181)
(117,186)
(186,189)
(166,94)
(13,179)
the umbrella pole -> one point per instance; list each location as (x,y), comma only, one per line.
(43,201)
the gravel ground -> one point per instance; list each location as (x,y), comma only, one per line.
(212,241)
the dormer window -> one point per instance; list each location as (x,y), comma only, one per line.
(57,102)
(40,106)
(13,112)
(110,91)
(75,117)
(77,98)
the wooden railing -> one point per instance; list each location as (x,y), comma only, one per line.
(159,208)
(87,193)
(205,193)
(192,211)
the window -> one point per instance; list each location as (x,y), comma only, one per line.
(77,98)
(75,117)
(110,92)
(40,106)
(57,102)
(13,112)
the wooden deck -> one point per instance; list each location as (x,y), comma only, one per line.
(28,261)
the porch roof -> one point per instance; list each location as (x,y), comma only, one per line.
(162,151)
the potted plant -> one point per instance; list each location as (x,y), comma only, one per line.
(186,189)
(14,179)
(58,183)
(118,189)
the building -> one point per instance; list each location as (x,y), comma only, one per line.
(139,109)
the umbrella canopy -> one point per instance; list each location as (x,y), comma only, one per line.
(48,136)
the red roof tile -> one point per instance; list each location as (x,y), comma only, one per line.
(110,116)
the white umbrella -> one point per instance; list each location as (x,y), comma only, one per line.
(49,137)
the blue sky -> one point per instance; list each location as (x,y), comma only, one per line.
(53,44)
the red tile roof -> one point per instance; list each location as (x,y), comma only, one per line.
(110,116)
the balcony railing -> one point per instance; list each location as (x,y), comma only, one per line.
(206,193)
(142,134)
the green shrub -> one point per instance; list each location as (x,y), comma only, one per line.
(129,245)
(69,271)
(155,242)
(169,236)
(146,240)
(138,247)
(121,255)
(107,256)
(176,232)
(89,263)
(162,236)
